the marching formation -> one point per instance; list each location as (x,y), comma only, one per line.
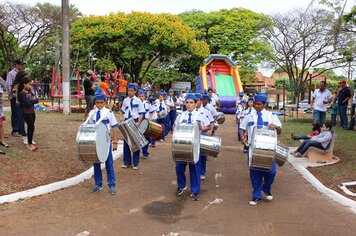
(193,119)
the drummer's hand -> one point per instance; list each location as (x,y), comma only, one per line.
(136,124)
(272,126)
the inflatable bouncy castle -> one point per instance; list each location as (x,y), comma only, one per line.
(221,74)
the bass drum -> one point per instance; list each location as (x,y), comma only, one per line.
(282,153)
(262,149)
(210,145)
(151,129)
(186,143)
(93,143)
(132,135)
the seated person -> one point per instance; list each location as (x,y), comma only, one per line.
(314,132)
(320,141)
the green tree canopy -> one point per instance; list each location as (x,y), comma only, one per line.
(235,32)
(135,38)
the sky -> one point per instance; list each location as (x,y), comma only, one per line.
(103,7)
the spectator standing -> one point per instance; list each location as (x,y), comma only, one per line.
(27,100)
(122,91)
(343,100)
(45,86)
(89,91)
(2,116)
(36,87)
(104,86)
(19,66)
(353,108)
(320,99)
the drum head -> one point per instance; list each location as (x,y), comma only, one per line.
(196,143)
(143,126)
(102,142)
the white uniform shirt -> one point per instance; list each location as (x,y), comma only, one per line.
(148,109)
(250,121)
(133,106)
(196,117)
(249,111)
(319,99)
(170,102)
(107,116)
(214,98)
(162,108)
(239,112)
(206,113)
(212,110)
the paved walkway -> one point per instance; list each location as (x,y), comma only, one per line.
(146,203)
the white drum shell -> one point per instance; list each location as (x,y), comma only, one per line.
(282,154)
(132,135)
(210,145)
(186,143)
(262,149)
(93,142)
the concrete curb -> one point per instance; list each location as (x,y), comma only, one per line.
(301,167)
(56,185)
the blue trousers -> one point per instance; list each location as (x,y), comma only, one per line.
(307,144)
(343,115)
(128,160)
(109,165)
(333,119)
(319,117)
(172,118)
(203,164)
(262,181)
(145,152)
(194,171)
(166,125)
(162,122)
(14,116)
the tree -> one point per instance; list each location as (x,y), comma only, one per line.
(304,39)
(135,38)
(236,33)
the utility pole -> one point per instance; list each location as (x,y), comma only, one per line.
(65,57)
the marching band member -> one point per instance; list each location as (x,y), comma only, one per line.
(161,112)
(171,103)
(214,98)
(132,107)
(204,112)
(240,98)
(153,117)
(166,119)
(190,116)
(240,116)
(209,107)
(148,113)
(260,180)
(108,118)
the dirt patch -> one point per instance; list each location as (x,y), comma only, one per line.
(56,159)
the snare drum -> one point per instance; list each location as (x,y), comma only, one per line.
(282,153)
(262,149)
(93,142)
(132,135)
(221,118)
(151,129)
(186,143)
(210,145)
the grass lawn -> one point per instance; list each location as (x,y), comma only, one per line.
(345,149)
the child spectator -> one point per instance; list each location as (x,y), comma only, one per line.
(314,132)
(27,101)
(333,111)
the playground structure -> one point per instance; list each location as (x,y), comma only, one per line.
(221,74)
(56,91)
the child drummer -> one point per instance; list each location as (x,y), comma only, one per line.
(190,116)
(107,117)
(148,114)
(261,180)
(132,107)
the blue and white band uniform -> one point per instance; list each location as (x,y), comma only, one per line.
(194,169)
(148,113)
(212,110)
(172,112)
(109,119)
(257,176)
(132,107)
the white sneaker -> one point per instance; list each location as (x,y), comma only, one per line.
(254,202)
(268,196)
(124,166)
(135,168)
(202,177)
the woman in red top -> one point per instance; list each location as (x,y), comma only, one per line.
(314,132)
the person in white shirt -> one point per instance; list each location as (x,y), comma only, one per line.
(153,117)
(171,104)
(240,116)
(240,98)
(320,99)
(132,107)
(108,118)
(353,108)
(190,116)
(148,113)
(162,112)
(320,141)
(261,180)
(214,99)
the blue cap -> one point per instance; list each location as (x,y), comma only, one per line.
(205,96)
(100,95)
(243,101)
(261,97)
(151,98)
(251,98)
(177,92)
(198,96)
(241,94)
(132,86)
(162,94)
(187,88)
(140,92)
(191,96)
(170,90)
